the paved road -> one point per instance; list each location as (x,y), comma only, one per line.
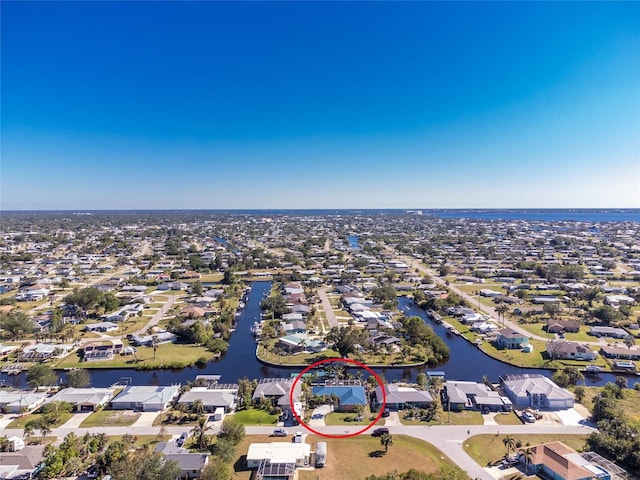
(328,309)
(158,315)
(448,438)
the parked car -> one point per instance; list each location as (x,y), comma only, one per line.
(182,439)
(279,432)
(378,432)
(385,413)
(528,417)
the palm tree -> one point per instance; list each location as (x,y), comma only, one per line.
(501,310)
(629,341)
(386,441)
(28,430)
(528,458)
(154,343)
(45,430)
(197,406)
(200,430)
(509,442)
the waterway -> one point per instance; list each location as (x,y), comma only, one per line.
(467,362)
(353,242)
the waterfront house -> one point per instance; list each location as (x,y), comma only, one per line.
(557,460)
(300,342)
(94,351)
(608,332)
(471,395)
(401,397)
(101,327)
(277,389)
(144,398)
(15,401)
(147,340)
(536,391)
(217,396)
(509,338)
(84,399)
(560,349)
(619,352)
(350,394)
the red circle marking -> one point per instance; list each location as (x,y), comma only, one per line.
(340,360)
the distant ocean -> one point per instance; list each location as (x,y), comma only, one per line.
(534,214)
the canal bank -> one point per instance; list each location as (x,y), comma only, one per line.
(466,362)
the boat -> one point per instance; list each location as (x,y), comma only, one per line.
(593,369)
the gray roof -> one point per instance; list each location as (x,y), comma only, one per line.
(214,398)
(399,394)
(144,394)
(520,385)
(93,396)
(188,461)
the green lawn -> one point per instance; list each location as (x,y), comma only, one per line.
(537,329)
(176,418)
(251,416)
(466,417)
(110,418)
(169,355)
(340,418)
(508,419)
(131,325)
(21,422)
(489,449)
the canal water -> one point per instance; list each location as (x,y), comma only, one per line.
(354,244)
(467,362)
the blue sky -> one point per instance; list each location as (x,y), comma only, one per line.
(319,105)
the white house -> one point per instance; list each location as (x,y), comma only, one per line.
(297,454)
(147,399)
(536,391)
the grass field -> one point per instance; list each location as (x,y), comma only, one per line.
(339,418)
(629,404)
(251,416)
(169,355)
(466,417)
(537,329)
(489,449)
(110,418)
(355,458)
(509,419)
(21,422)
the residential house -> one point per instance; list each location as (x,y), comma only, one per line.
(351,394)
(561,349)
(281,453)
(146,399)
(147,340)
(617,300)
(509,338)
(608,332)
(92,352)
(563,326)
(84,399)
(470,395)
(619,352)
(400,397)
(277,389)
(216,396)
(536,391)
(558,461)
(101,327)
(16,401)
(190,464)
(300,342)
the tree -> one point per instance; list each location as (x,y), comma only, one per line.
(580,393)
(386,441)
(15,324)
(216,469)
(590,294)
(200,431)
(606,314)
(509,443)
(232,431)
(422,380)
(40,375)
(501,310)
(143,464)
(621,383)
(78,378)
(197,406)
(197,288)
(154,343)
(527,454)
(629,341)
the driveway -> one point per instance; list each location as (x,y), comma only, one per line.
(76,420)
(146,419)
(393,420)
(320,413)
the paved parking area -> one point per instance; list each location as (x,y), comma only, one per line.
(570,417)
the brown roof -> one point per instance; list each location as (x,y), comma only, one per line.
(193,312)
(554,456)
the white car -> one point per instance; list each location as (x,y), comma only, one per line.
(528,417)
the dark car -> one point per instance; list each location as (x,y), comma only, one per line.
(386,412)
(378,432)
